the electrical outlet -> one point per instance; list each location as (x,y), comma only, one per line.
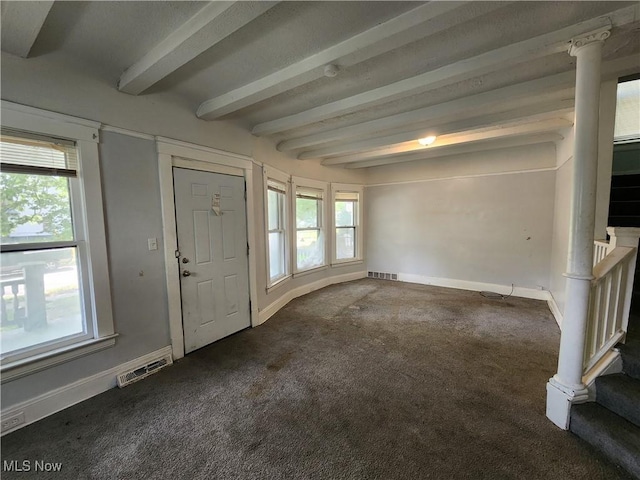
(9,423)
(153,243)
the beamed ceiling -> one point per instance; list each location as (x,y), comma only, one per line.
(349,84)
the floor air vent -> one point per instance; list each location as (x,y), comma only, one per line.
(139,373)
(382,275)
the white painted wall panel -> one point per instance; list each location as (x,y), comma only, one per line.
(492,229)
(560,240)
(517,159)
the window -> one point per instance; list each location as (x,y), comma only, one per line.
(277,230)
(347,224)
(310,249)
(54,300)
(627,123)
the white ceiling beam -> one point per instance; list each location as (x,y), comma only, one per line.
(534,113)
(512,96)
(209,26)
(477,135)
(525,50)
(21,24)
(543,45)
(382,38)
(466,105)
(460,150)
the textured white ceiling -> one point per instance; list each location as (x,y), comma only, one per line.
(110,37)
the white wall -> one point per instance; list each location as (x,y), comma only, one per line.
(561,220)
(60,84)
(517,159)
(488,228)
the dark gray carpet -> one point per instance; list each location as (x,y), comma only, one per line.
(366,380)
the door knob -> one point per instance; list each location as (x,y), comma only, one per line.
(186,273)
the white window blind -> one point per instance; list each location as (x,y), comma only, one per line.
(276,186)
(28,153)
(308,193)
(347,196)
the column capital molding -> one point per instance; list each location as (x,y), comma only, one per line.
(585,39)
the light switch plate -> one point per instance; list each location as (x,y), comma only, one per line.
(153,243)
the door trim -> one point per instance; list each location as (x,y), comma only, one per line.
(180,154)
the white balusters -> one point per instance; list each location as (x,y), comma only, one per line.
(600,250)
(610,296)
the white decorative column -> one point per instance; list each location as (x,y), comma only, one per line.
(566,387)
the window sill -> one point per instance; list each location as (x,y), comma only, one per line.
(278,283)
(309,271)
(22,368)
(346,263)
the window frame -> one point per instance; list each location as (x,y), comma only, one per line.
(358,224)
(323,188)
(89,229)
(283,223)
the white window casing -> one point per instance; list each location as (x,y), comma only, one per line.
(277,185)
(308,189)
(352,228)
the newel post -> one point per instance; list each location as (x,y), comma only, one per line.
(566,387)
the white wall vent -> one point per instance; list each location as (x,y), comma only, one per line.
(139,373)
(382,275)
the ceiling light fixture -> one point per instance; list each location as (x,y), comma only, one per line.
(427,140)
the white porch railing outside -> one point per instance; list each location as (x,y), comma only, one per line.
(610,296)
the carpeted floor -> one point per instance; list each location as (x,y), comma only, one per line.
(366,380)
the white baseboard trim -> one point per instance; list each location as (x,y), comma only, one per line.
(56,400)
(273,307)
(555,310)
(474,286)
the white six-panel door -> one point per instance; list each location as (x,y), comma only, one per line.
(213,255)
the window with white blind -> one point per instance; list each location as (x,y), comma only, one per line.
(277,242)
(310,248)
(49,305)
(347,221)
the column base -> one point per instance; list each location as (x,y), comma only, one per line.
(559,401)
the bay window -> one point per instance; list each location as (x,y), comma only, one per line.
(309,225)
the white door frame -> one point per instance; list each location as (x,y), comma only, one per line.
(180,154)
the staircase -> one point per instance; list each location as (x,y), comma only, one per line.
(612,423)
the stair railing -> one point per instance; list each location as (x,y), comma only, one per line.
(611,291)
(600,250)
